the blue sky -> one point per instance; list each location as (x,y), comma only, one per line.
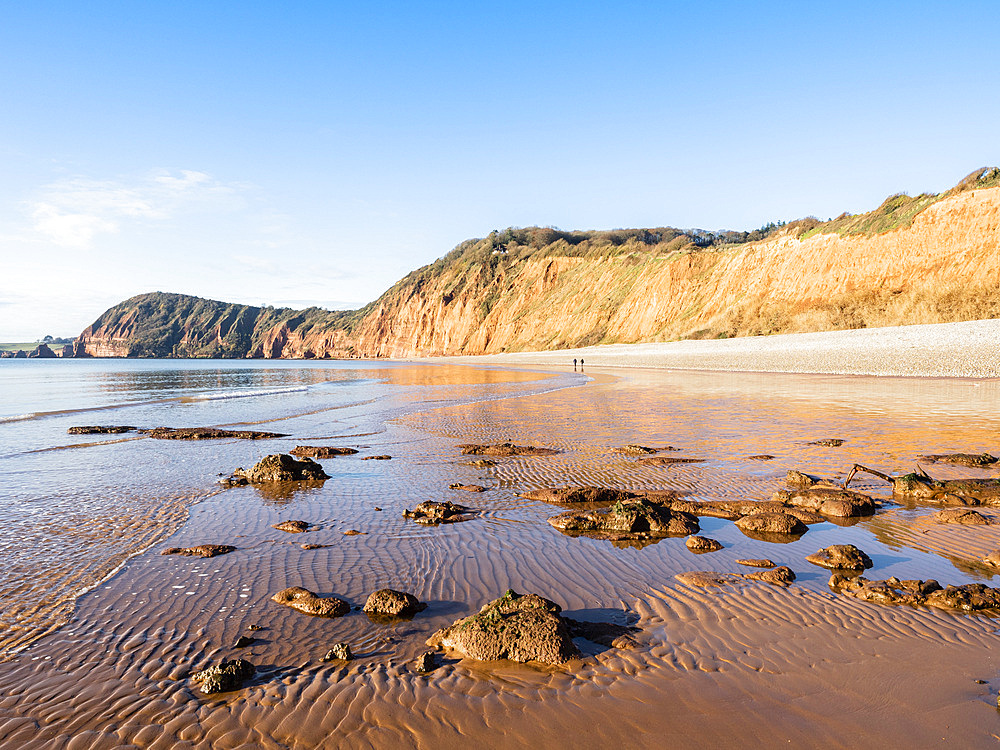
(315,152)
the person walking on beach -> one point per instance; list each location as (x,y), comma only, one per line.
(581,364)
(574,364)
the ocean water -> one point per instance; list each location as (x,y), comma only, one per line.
(73,508)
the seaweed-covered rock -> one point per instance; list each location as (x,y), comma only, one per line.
(229,675)
(760,457)
(970,597)
(771,523)
(517,627)
(505,449)
(321,451)
(972,460)
(280,467)
(292,526)
(668,460)
(339,651)
(381,457)
(432,512)
(202,550)
(467,487)
(841,557)
(635,519)
(94,429)
(702,544)
(839,503)
(758,563)
(963,516)
(633,449)
(828,442)
(799,480)
(563,495)
(306,601)
(392,603)
(208,433)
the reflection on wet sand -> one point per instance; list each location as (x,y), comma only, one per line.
(727,666)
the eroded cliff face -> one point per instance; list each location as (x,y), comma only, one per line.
(942,268)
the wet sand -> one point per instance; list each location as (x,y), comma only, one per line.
(745,665)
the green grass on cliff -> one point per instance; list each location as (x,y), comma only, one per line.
(901,209)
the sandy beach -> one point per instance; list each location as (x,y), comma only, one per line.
(743,663)
(956,350)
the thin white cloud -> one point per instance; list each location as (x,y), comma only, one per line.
(72,212)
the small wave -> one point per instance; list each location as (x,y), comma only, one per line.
(247,394)
(20,417)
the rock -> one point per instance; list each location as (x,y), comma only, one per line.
(828,442)
(841,557)
(972,460)
(802,481)
(318,451)
(971,597)
(354,532)
(42,351)
(517,627)
(707,579)
(280,467)
(111,429)
(207,433)
(505,449)
(431,512)
(339,651)
(467,487)
(563,495)
(292,527)
(306,601)
(314,546)
(20,354)
(202,550)
(377,458)
(631,519)
(771,523)
(702,544)
(760,457)
(481,462)
(426,662)
(636,450)
(838,503)
(759,563)
(963,516)
(229,675)
(780,576)
(243,641)
(254,627)
(392,603)
(667,460)
(993,558)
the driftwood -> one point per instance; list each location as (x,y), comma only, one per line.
(919,485)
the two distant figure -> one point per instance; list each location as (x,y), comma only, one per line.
(574,365)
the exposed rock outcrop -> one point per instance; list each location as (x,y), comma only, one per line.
(631,519)
(771,523)
(280,467)
(563,495)
(100,430)
(432,512)
(321,451)
(505,449)
(962,516)
(971,597)
(229,675)
(292,526)
(838,503)
(841,557)
(207,433)
(702,544)
(521,628)
(202,550)
(306,601)
(972,460)
(389,603)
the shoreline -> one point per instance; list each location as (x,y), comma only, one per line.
(938,350)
